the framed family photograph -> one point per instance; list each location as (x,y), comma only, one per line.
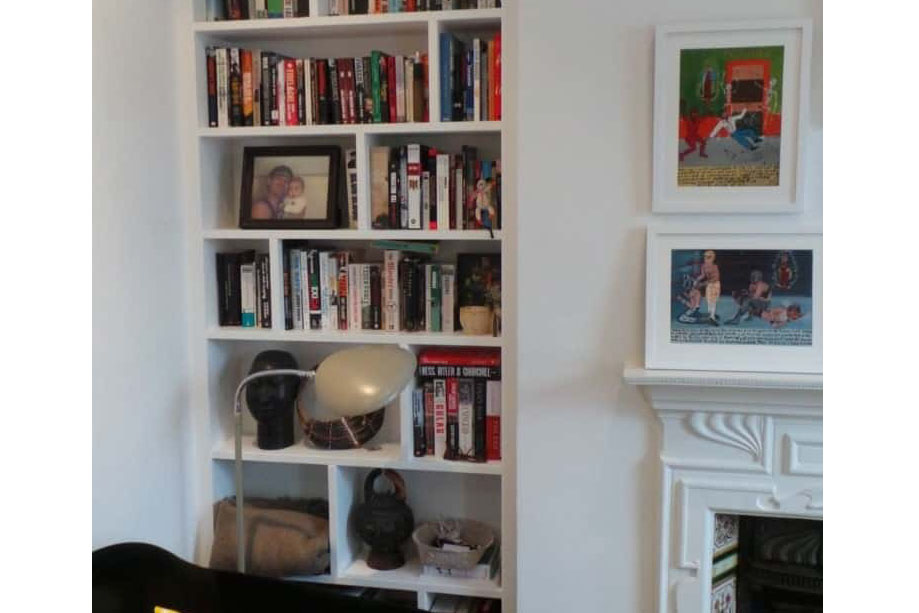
(290,187)
(743,298)
(730,109)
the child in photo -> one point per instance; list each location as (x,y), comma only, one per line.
(295,202)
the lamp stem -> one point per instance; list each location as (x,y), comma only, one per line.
(238,451)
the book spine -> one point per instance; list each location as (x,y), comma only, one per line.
(360,90)
(496,79)
(322,89)
(400,88)
(261,9)
(331,280)
(427,222)
(236,87)
(375,59)
(427,388)
(351,170)
(264,281)
(296,304)
(448,292)
(446,79)
(480,405)
(301,92)
(247,294)
(493,421)
(468,91)
(409,89)
(476,79)
(418,421)
(460,356)
(223,289)
(354,297)
(288,10)
(466,419)
(288,315)
(342,90)
(210,58)
(223,87)
(365,297)
(352,90)
(406,316)
(315,298)
(457,74)
(452,418)
(465,371)
(305,286)
(440,418)
(427,297)
(325,317)
(403,187)
(442,178)
(334,92)
(343,291)
(256,87)
(267,94)
(290,93)
(425,88)
(392,94)
(420,293)
(394,190)
(376,297)
(459,193)
(314,94)
(245,57)
(391,290)
(413,176)
(281,90)
(436,293)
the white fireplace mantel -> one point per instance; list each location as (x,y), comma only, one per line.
(737,443)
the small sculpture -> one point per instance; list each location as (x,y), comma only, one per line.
(271,400)
(384,521)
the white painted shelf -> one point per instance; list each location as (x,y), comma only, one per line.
(353,235)
(356,129)
(377,337)
(386,455)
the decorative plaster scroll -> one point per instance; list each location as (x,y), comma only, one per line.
(792,502)
(744,432)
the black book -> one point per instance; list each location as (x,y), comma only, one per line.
(335,93)
(457,72)
(266,90)
(288,314)
(314,96)
(420,447)
(275,111)
(395,187)
(263,270)
(358,7)
(315,309)
(480,406)
(302,67)
(236,89)
(407,280)
(303,8)
(322,79)
(403,188)
(420,296)
(359,95)
(376,298)
(229,302)
(211,87)
(236,9)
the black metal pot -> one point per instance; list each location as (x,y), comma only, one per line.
(384,521)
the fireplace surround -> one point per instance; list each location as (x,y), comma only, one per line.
(745,444)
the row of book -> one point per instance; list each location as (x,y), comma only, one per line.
(416,187)
(456,407)
(244,289)
(250,87)
(333,290)
(280,9)
(470,78)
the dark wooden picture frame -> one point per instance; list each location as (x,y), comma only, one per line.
(272,215)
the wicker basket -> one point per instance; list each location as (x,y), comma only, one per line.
(475,533)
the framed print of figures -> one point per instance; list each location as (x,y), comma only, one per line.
(290,187)
(730,104)
(743,298)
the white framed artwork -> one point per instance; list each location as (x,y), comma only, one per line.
(737,297)
(730,110)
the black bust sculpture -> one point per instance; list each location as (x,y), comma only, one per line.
(272,400)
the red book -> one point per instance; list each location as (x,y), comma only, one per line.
(493,421)
(323,99)
(290,92)
(459,356)
(452,418)
(352,90)
(496,71)
(342,263)
(211,89)
(391,78)
(245,59)
(411,6)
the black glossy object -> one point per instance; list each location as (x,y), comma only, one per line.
(271,400)
(384,521)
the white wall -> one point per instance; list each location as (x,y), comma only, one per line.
(588,474)
(140,368)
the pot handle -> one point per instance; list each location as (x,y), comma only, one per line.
(393,477)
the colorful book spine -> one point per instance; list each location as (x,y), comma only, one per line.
(428,387)
(325,314)
(452,419)
(315,296)
(354,297)
(211,65)
(413,181)
(248,294)
(245,58)
(418,421)
(493,421)
(440,418)
(296,293)
(446,77)
(343,290)
(448,301)
(223,83)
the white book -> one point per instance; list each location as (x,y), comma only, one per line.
(443,191)
(466,417)
(256,87)
(476,79)
(409,90)
(305,286)
(354,297)
(440,418)
(288,9)
(248,294)
(261,9)
(366,298)
(296,307)
(308,90)
(400,88)
(391,291)
(413,175)
(426,200)
(332,280)
(281,94)
(448,291)
(324,289)
(223,87)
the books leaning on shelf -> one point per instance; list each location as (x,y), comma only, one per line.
(415,187)
(487,567)
(243,289)
(470,78)
(332,290)
(251,87)
(456,408)
(278,9)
